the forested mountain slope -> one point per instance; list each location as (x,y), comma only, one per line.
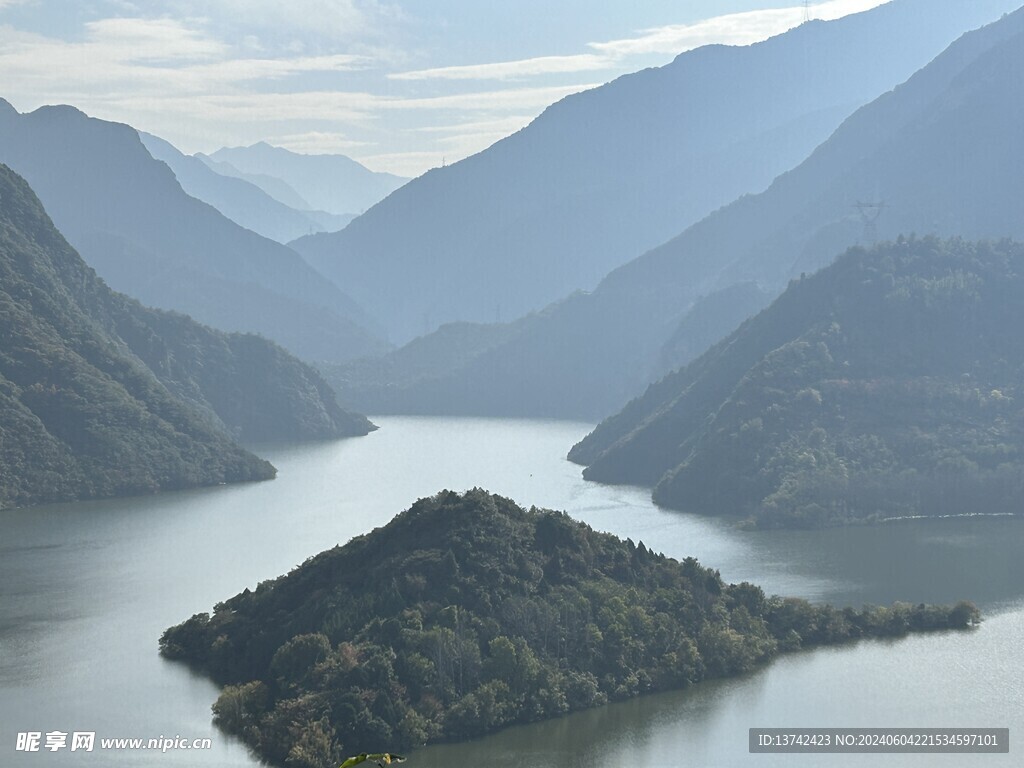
(886,385)
(101,396)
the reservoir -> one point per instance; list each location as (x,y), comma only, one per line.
(86,590)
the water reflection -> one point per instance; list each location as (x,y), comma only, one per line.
(943,679)
(86,590)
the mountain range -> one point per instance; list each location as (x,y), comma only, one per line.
(333,183)
(938,154)
(130,220)
(885,385)
(605,175)
(242,201)
(100,396)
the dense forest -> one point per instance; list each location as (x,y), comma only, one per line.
(100,396)
(886,385)
(467,613)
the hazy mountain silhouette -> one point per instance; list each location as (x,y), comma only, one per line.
(100,396)
(701,326)
(602,176)
(432,374)
(241,201)
(887,384)
(333,183)
(273,186)
(129,218)
(942,151)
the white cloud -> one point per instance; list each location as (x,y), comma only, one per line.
(137,40)
(836,9)
(317,142)
(337,20)
(337,106)
(506,125)
(320,75)
(405,163)
(507,70)
(254,108)
(502,99)
(121,60)
(114,50)
(463,145)
(244,70)
(732,29)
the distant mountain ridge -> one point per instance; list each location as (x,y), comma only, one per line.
(273,186)
(129,218)
(100,396)
(886,385)
(942,151)
(603,176)
(256,389)
(241,201)
(333,183)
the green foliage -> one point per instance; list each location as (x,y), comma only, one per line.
(239,709)
(256,389)
(314,746)
(467,613)
(100,396)
(80,416)
(293,663)
(886,385)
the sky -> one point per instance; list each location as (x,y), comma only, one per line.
(400,86)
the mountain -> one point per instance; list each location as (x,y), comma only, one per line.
(80,417)
(701,327)
(941,151)
(332,183)
(272,185)
(467,613)
(129,218)
(604,175)
(426,375)
(256,389)
(886,385)
(100,396)
(241,201)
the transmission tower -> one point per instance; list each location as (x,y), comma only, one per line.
(807,11)
(869,213)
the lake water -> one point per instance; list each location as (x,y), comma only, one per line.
(86,589)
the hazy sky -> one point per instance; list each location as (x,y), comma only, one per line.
(399,85)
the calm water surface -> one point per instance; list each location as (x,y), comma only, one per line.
(86,590)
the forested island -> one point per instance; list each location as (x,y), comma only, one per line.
(886,385)
(467,613)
